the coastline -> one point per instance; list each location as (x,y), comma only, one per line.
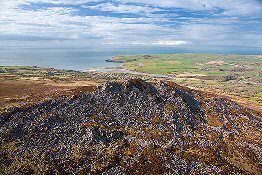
(222,78)
(124,70)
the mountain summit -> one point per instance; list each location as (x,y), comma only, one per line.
(133,127)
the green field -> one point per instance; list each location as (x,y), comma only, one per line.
(236,75)
(194,63)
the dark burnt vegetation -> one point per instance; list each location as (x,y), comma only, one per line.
(132,127)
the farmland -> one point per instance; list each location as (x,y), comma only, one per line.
(234,75)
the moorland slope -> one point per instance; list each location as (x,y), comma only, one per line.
(132,127)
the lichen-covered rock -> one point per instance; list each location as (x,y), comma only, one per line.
(132,127)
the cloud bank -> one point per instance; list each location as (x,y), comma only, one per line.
(130,22)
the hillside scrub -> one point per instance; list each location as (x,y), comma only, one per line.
(132,127)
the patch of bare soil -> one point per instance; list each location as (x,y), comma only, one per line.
(216,63)
(187,74)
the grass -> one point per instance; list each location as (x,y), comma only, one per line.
(211,71)
(202,71)
(198,63)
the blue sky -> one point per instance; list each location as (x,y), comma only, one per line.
(92,23)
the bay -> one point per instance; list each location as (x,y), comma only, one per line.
(78,58)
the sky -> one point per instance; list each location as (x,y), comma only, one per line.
(93,23)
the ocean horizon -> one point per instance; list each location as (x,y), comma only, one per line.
(86,58)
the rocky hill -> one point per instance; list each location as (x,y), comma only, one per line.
(132,127)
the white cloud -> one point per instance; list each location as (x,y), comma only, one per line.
(240,7)
(64,2)
(170,43)
(63,22)
(219,35)
(187,4)
(121,8)
(230,7)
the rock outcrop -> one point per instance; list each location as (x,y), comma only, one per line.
(133,127)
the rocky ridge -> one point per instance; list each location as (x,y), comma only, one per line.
(132,127)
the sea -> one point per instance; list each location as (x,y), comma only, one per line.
(82,59)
